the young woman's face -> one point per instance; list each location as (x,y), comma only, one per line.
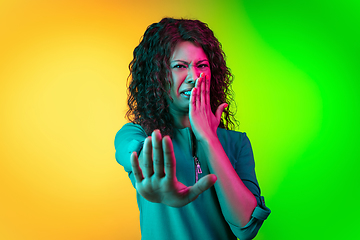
(186,64)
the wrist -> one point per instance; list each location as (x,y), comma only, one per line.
(209,141)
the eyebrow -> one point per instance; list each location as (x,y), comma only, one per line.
(204,60)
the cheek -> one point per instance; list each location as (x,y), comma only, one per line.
(176,80)
(172,88)
(208,74)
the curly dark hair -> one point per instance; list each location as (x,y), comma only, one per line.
(150,74)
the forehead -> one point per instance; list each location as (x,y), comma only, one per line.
(188,51)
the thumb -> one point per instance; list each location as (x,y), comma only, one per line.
(202,185)
(220,110)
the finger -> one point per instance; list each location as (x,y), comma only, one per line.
(202,91)
(197,81)
(169,157)
(198,92)
(192,106)
(207,80)
(134,161)
(220,110)
(201,186)
(147,165)
(158,159)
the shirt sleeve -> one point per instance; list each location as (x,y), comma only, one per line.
(130,138)
(245,168)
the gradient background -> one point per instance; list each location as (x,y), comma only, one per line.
(63,71)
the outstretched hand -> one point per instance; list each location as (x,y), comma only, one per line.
(155,174)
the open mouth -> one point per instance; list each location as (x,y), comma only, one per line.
(186,93)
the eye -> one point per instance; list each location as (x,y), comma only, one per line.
(203,65)
(179,66)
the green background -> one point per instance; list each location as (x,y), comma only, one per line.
(309,110)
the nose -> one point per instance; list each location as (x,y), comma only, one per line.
(192,75)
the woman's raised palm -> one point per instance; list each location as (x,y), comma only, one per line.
(155,174)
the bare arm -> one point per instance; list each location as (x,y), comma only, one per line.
(236,201)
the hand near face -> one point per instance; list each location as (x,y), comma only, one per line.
(203,122)
(155,174)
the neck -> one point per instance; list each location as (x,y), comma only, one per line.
(181,119)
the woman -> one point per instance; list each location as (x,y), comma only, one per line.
(198,181)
